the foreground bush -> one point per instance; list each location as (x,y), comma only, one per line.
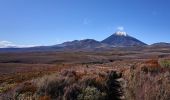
(25,91)
(147,83)
(68,85)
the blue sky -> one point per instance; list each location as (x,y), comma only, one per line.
(48,22)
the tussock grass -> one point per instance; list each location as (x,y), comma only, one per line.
(68,85)
(165,63)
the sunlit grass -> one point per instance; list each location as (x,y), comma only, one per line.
(165,63)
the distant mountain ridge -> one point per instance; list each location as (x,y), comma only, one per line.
(118,39)
(83,44)
(160,44)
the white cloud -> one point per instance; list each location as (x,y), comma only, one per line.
(7,44)
(4,44)
(120,28)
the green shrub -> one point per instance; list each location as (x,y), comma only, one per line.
(165,63)
(6,87)
(91,93)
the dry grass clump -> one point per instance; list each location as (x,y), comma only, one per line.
(147,84)
(68,85)
(25,91)
(44,98)
(156,66)
(151,66)
(6,86)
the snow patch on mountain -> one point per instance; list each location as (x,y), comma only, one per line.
(121,33)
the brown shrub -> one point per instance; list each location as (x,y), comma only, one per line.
(150,86)
(68,85)
(44,98)
(25,91)
(151,66)
(26,87)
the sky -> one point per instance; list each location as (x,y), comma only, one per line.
(49,22)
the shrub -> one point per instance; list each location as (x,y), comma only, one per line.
(67,85)
(25,96)
(88,81)
(44,98)
(91,93)
(151,66)
(52,87)
(165,63)
(151,69)
(59,86)
(25,90)
(6,87)
(139,86)
(72,92)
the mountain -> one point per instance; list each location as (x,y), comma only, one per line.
(83,44)
(160,44)
(119,39)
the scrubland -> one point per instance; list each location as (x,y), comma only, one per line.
(103,75)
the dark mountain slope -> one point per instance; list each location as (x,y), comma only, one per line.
(122,39)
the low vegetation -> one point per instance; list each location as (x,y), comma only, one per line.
(85,75)
(151,66)
(165,63)
(6,86)
(70,85)
(148,82)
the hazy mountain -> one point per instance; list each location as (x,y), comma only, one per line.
(119,39)
(160,44)
(83,44)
